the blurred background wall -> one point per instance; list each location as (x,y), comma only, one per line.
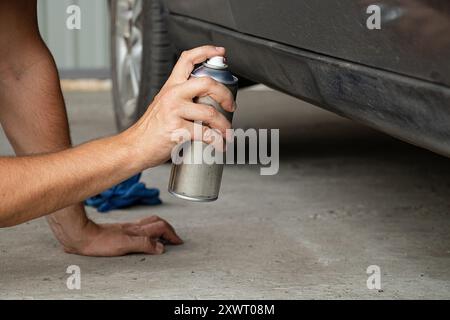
(80,53)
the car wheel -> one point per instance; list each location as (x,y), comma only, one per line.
(141,56)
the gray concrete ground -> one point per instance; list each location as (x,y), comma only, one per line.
(346,197)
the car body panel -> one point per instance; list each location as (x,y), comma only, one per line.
(414,38)
(379,80)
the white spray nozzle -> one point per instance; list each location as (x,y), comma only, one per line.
(217,62)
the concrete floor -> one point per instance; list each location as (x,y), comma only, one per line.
(346,197)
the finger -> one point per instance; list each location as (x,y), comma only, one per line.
(160,229)
(190,58)
(205,86)
(215,139)
(151,219)
(142,244)
(198,132)
(206,114)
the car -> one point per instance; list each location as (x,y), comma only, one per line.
(384,63)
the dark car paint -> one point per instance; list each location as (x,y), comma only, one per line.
(395,79)
(415,41)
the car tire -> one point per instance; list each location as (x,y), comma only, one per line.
(141,56)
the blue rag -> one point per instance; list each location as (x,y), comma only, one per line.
(127,193)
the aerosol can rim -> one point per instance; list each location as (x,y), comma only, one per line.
(184,197)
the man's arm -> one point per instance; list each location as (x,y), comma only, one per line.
(33,115)
(32,110)
(33,186)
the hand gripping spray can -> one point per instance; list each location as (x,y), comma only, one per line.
(201,181)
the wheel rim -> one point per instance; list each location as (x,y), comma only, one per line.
(128,46)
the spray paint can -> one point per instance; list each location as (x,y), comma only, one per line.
(201,181)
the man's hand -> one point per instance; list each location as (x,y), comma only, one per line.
(105,240)
(173,109)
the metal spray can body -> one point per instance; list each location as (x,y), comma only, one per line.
(201,181)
